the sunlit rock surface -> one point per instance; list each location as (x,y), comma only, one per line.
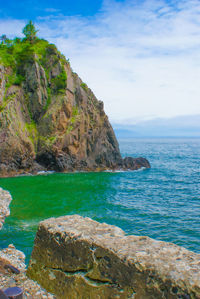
(76,257)
(5,199)
(13,274)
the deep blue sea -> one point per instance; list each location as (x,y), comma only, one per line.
(162,202)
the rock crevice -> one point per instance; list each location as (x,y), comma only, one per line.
(84,274)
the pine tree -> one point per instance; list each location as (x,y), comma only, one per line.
(30,32)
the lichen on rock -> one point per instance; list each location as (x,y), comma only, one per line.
(76,257)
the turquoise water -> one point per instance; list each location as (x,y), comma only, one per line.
(162,202)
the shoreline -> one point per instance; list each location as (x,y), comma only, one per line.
(49,172)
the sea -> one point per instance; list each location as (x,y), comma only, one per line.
(162,202)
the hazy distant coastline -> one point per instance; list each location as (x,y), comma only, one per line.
(181,126)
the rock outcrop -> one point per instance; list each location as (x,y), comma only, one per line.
(13,274)
(5,199)
(49,118)
(76,257)
(12,262)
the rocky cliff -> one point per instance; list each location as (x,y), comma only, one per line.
(49,118)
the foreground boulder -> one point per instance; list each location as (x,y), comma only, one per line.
(76,257)
(5,199)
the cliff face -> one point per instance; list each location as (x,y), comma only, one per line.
(49,118)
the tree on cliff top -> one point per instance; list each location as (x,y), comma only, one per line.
(30,32)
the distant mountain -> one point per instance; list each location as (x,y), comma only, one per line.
(180,126)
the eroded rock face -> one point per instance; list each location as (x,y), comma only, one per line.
(76,257)
(51,120)
(5,199)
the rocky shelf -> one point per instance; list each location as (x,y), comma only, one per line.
(76,257)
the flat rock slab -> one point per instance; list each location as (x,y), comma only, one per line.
(5,199)
(76,257)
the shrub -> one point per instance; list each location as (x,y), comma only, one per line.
(59,83)
(84,86)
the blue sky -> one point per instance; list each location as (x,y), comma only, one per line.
(142,58)
(31,9)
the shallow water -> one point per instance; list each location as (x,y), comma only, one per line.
(162,202)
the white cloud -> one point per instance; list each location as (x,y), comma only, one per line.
(11,27)
(52,10)
(141,58)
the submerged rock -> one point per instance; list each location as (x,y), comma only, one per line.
(76,257)
(49,118)
(5,199)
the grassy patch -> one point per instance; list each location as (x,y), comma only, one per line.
(48,99)
(32,131)
(75,111)
(69,129)
(47,141)
(84,86)
(75,117)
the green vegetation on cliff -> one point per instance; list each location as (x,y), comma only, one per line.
(30,32)
(15,53)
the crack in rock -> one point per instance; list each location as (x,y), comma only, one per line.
(82,273)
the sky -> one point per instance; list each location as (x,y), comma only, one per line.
(141,58)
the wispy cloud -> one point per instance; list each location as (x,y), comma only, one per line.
(52,10)
(141,58)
